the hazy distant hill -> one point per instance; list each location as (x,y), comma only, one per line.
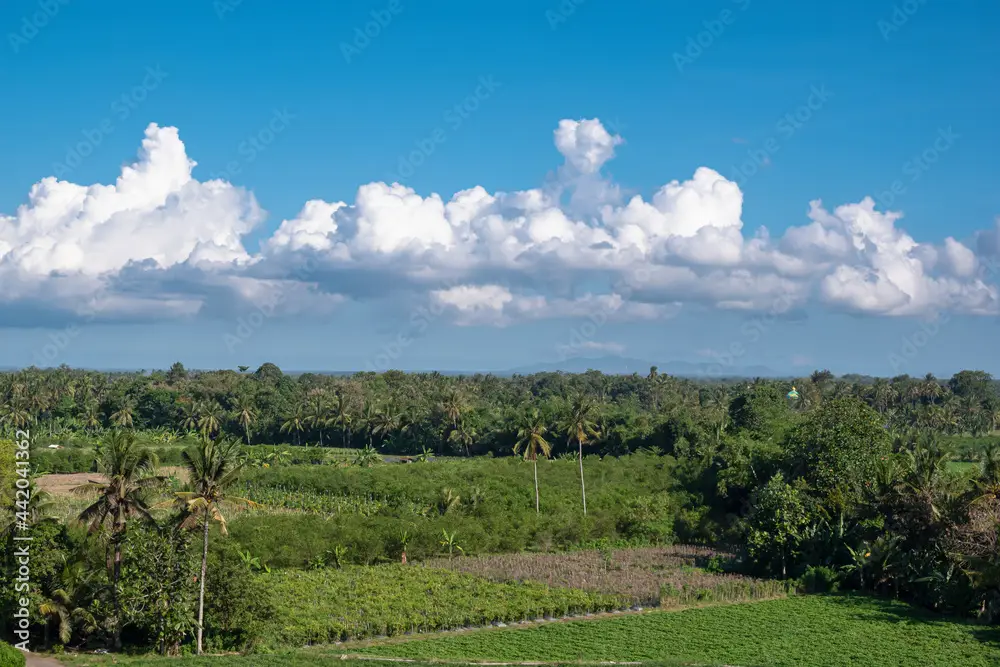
(612,365)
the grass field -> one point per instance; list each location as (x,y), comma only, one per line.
(806,631)
(289,659)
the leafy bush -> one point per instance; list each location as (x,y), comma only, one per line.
(10,656)
(820,580)
(649,518)
(237,604)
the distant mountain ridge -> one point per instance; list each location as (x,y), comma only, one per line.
(612,365)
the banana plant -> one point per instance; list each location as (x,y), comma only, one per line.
(451,543)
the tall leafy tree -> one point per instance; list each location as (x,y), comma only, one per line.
(318,415)
(294,423)
(210,421)
(213,468)
(531,442)
(775,523)
(246,413)
(129,476)
(341,417)
(123,417)
(579,427)
(15,414)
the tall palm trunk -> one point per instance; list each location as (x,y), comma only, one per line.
(583,487)
(201,584)
(535,461)
(116,576)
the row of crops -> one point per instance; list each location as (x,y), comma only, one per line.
(331,605)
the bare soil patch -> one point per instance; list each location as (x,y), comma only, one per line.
(63,484)
(653,576)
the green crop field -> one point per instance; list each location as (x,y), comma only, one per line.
(807,631)
(330,605)
(289,659)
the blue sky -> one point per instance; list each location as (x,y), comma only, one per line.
(885,80)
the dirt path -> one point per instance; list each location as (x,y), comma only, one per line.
(39,661)
(63,484)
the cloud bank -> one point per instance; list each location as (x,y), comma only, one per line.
(159,244)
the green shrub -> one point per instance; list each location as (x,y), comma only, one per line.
(10,656)
(648,518)
(819,580)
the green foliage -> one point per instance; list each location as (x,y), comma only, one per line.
(10,656)
(158,591)
(648,519)
(7,473)
(837,449)
(895,519)
(819,579)
(365,509)
(329,605)
(762,411)
(237,606)
(774,525)
(800,631)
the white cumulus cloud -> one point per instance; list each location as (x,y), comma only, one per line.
(159,243)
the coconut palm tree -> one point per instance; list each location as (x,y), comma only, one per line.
(190,414)
(65,605)
(210,421)
(370,417)
(294,423)
(317,415)
(15,414)
(341,417)
(129,474)
(246,413)
(453,406)
(463,437)
(213,467)
(531,441)
(579,427)
(123,417)
(387,422)
(91,416)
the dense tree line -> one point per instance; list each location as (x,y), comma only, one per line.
(408,413)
